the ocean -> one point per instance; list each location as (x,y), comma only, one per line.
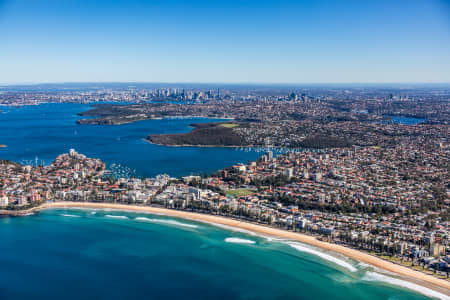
(40,133)
(108,254)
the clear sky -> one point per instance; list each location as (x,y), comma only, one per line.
(253,41)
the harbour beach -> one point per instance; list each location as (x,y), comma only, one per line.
(404,273)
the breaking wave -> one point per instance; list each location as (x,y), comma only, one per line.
(238,240)
(27,214)
(116,217)
(373,276)
(231,228)
(248,232)
(168,222)
(325,256)
(68,215)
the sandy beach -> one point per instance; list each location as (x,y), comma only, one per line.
(439,285)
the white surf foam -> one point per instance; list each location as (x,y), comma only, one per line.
(373,276)
(168,222)
(362,265)
(366,267)
(122,210)
(27,214)
(116,217)
(274,239)
(323,255)
(248,232)
(231,228)
(68,215)
(238,240)
(77,208)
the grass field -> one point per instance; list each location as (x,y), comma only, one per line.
(239,192)
(229,125)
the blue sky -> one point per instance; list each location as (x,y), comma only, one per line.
(225,41)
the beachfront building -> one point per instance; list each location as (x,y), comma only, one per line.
(4,201)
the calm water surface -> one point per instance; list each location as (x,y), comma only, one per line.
(48,130)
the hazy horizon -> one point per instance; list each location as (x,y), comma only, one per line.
(256,84)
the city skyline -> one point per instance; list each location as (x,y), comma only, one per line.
(293,42)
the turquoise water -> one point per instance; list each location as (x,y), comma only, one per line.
(48,130)
(87,254)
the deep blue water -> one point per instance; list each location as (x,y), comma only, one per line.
(85,254)
(48,130)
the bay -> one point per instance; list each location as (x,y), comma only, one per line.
(40,133)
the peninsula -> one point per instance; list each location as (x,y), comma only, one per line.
(295,122)
(203,135)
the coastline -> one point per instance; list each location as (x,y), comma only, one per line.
(413,276)
(122,122)
(190,145)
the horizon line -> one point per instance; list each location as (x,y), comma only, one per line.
(225,83)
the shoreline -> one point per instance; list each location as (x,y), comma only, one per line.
(122,122)
(413,276)
(190,145)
